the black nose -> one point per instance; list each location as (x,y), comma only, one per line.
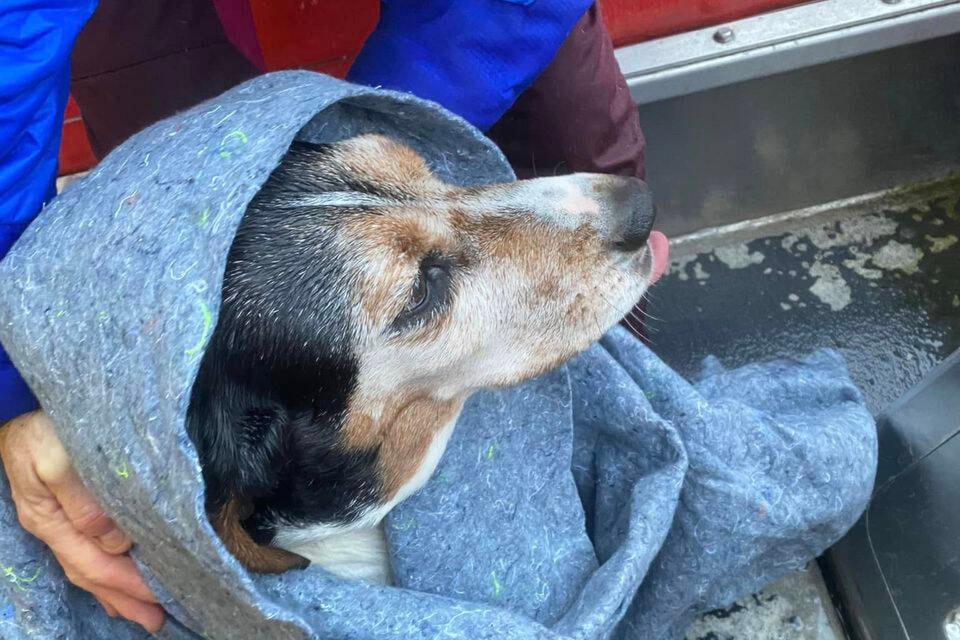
(632,212)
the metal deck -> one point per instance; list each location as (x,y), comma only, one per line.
(876,278)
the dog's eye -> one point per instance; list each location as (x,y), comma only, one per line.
(420,291)
(429,293)
(423,287)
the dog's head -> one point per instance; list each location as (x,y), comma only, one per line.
(365,299)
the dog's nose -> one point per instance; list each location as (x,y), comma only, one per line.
(631,208)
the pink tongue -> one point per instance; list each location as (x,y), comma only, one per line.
(660,251)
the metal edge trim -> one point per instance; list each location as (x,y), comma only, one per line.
(895,199)
(780,41)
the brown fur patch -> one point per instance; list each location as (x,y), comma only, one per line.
(254,557)
(364,156)
(546,254)
(403,432)
(361,431)
(394,230)
(548,287)
(397,241)
(409,437)
(526,240)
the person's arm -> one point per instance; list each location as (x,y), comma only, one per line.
(36,37)
(474,58)
(35,41)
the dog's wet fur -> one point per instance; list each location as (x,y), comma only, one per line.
(363,301)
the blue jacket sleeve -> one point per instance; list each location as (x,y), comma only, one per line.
(474,57)
(36,37)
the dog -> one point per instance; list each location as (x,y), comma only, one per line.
(363,301)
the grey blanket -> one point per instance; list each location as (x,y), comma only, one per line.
(607,499)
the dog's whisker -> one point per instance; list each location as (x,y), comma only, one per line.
(633,320)
(636,326)
(596,321)
(648,296)
(644,316)
(610,270)
(620,312)
(632,327)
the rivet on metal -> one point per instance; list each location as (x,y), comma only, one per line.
(723,35)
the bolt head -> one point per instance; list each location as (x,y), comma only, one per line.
(723,35)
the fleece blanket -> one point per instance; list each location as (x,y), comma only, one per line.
(609,498)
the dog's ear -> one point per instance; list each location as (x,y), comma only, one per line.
(227,522)
(308,148)
(238,436)
(241,447)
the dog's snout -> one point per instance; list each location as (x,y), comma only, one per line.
(632,236)
(631,210)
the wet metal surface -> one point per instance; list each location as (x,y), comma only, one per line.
(805,137)
(879,281)
(795,608)
(882,287)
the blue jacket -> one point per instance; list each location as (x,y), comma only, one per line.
(474,58)
(36,37)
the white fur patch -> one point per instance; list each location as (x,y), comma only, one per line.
(337,199)
(360,554)
(576,203)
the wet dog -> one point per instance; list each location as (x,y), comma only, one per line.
(363,301)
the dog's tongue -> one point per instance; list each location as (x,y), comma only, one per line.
(659,253)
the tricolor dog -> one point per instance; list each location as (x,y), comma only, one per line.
(363,301)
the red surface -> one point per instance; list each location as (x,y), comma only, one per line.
(300,33)
(325,35)
(632,21)
(75,152)
(72,110)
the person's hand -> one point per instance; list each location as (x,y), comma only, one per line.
(53,505)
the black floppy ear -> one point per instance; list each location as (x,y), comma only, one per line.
(241,448)
(310,148)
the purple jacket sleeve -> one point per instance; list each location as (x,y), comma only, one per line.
(36,37)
